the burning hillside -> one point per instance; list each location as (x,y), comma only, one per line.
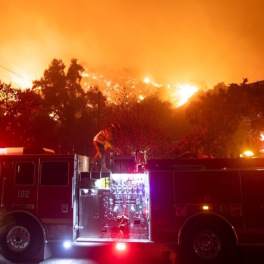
(113,87)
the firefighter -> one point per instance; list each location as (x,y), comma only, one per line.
(104,140)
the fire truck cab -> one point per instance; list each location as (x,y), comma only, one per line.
(206,206)
(57,198)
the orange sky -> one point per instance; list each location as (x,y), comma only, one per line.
(167,40)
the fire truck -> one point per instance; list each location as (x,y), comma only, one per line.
(205,207)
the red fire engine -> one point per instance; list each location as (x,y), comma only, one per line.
(207,206)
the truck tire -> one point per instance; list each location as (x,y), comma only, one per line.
(21,238)
(207,243)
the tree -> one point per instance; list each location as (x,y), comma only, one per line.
(66,103)
(18,111)
(216,118)
(253,109)
(7,113)
(144,125)
(62,100)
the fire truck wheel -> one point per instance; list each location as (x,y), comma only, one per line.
(207,243)
(20,238)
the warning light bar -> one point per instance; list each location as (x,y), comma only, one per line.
(21,151)
(11,151)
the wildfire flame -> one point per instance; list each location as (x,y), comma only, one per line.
(185,91)
(146,80)
(24,82)
(110,87)
(247,154)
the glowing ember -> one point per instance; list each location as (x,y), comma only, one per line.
(141,97)
(261,137)
(53,116)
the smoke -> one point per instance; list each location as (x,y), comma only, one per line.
(168,41)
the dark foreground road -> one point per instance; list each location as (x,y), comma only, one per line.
(138,255)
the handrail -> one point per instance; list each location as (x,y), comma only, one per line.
(3,189)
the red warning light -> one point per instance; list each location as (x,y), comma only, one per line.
(121,246)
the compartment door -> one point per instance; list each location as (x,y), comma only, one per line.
(162,206)
(81,164)
(55,196)
(253,205)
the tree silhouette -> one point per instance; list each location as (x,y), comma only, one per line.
(145,125)
(65,102)
(217,116)
(18,111)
